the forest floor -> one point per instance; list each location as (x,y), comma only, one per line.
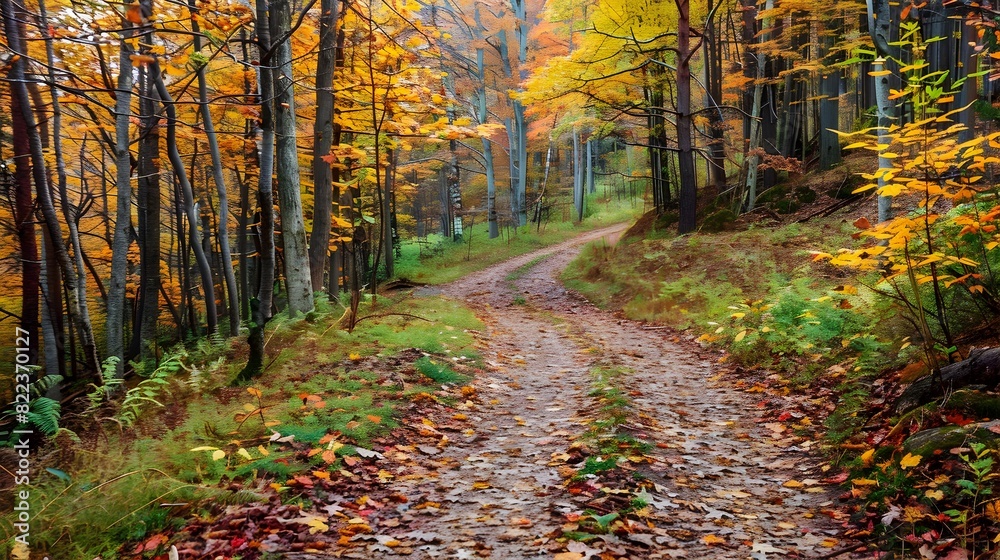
(594,436)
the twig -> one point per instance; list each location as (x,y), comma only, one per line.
(378,315)
(837,553)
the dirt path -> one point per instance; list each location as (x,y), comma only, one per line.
(722,486)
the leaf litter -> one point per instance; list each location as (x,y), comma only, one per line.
(707,470)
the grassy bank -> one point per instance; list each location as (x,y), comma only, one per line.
(198,444)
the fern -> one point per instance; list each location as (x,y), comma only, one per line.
(44,414)
(43,384)
(110,383)
(149,389)
(237,498)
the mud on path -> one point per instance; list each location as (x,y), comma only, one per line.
(721,479)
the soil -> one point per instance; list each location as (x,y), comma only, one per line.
(726,483)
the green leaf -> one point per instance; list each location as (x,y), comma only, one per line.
(604,521)
(59,474)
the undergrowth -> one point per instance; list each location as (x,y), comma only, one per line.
(177,442)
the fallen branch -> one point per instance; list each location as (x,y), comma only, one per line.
(981,368)
(378,315)
(837,553)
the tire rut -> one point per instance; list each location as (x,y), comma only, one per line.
(719,476)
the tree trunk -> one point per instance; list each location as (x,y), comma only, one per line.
(148,198)
(829,110)
(18,83)
(298,280)
(880,29)
(688,193)
(323,131)
(204,268)
(24,222)
(755,136)
(115,325)
(220,183)
(260,307)
(713,93)
(69,211)
(387,219)
(577,177)
(51,314)
(591,186)
(483,116)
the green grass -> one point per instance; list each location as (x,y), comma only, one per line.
(118,477)
(757,293)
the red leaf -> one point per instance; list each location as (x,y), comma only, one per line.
(151,544)
(835,479)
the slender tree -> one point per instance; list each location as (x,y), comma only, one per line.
(217,176)
(298,280)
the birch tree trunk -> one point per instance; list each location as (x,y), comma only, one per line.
(879,26)
(115,323)
(298,279)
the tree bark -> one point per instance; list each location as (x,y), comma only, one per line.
(323,132)
(829,112)
(69,211)
(982,367)
(204,268)
(115,324)
(220,183)
(148,198)
(713,92)
(298,280)
(19,84)
(260,307)
(880,29)
(24,222)
(577,177)
(688,179)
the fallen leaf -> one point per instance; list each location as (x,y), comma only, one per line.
(712,539)
(793,484)
(368,453)
(568,556)
(867,457)
(935,495)
(909,461)
(317,525)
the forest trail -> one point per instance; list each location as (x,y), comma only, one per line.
(721,478)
